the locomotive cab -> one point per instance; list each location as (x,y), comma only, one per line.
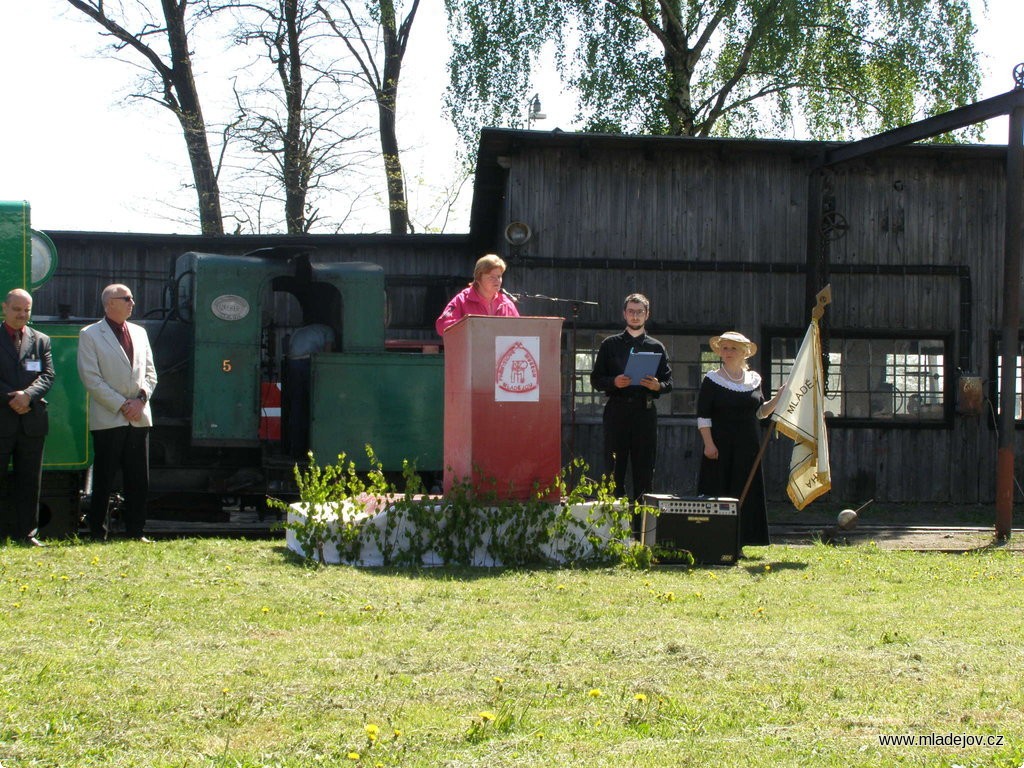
(279,355)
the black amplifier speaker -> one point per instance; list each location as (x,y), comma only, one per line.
(707,528)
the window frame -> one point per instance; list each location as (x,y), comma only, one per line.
(893,421)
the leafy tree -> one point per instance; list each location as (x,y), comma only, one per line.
(169,82)
(372,31)
(717,67)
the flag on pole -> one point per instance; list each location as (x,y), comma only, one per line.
(800,415)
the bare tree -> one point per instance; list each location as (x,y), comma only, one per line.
(365,33)
(295,117)
(299,156)
(170,84)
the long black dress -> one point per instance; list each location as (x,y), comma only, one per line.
(731,408)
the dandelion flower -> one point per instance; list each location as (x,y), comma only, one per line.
(397,733)
(641,697)
(595,693)
(353,755)
(487,716)
(372,732)
(560,587)
(265,609)
(499,680)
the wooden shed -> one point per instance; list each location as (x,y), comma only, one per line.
(715,233)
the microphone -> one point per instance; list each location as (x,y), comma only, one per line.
(513,296)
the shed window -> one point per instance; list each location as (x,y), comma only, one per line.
(879,379)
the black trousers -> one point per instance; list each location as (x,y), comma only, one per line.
(21,507)
(630,437)
(127,449)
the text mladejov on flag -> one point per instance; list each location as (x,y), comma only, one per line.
(800,415)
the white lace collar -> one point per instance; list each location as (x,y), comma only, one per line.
(751,381)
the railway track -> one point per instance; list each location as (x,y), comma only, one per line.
(243,525)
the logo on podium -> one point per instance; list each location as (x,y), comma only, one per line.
(516,370)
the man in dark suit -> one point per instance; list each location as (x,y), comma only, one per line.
(26,375)
(630,418)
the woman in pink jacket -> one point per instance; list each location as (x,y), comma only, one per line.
(482,297)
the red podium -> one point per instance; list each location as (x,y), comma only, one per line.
(502,404)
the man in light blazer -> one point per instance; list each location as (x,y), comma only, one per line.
(115,363)
(26,375)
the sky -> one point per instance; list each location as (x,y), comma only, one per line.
(85,160)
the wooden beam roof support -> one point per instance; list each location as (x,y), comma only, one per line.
(978,112)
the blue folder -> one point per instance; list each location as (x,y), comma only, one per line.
(642,364)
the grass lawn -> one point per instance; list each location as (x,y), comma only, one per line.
(232,653)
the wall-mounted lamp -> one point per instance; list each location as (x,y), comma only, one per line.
(517,233)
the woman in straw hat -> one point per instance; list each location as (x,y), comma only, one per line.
(729,405)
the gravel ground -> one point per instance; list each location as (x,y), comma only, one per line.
(920,527)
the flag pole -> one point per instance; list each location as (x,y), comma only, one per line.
(756,464)
(821,300)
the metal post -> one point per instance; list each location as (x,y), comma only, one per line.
(572,391)
(1011,323)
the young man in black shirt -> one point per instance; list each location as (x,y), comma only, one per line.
(630,418)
